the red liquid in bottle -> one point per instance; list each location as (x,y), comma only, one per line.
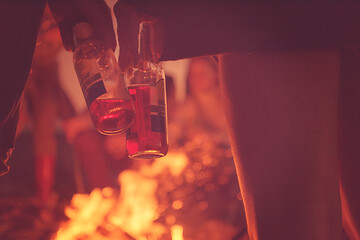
(147,137)
(111,116)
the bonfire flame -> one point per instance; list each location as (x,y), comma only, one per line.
(138,209)
(109,213)
(177,232)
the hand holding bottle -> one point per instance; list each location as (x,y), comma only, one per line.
(128,22)
(68,13)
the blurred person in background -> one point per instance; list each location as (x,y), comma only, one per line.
(45,104)
(101,157)
(204,102)
(197,128)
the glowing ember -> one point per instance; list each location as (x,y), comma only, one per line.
(112,214)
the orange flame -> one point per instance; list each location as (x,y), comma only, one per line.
(133,210)
(177,232)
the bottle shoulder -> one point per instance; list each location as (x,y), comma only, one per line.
(89,49)
(145,74)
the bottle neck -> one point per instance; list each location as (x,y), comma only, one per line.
(80,41)
(145,44)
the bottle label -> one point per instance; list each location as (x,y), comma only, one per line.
(157,108)
(95,90)
(158,123)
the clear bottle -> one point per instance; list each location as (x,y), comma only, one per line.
(102,82)
(147,137)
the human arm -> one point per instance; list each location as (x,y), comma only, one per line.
(195,28)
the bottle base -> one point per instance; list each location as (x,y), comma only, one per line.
(112,116)
(104,132)
(149,154)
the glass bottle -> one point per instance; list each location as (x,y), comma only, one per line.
(102,82)
(147,137)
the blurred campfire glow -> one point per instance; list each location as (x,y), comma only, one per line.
(128,213)
(177,232)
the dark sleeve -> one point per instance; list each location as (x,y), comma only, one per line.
(194,28)
(19,22)
(7,138)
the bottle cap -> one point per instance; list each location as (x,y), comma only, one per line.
(82,31)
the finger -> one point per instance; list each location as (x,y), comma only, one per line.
(99,16)
(128,28)
(67,36)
